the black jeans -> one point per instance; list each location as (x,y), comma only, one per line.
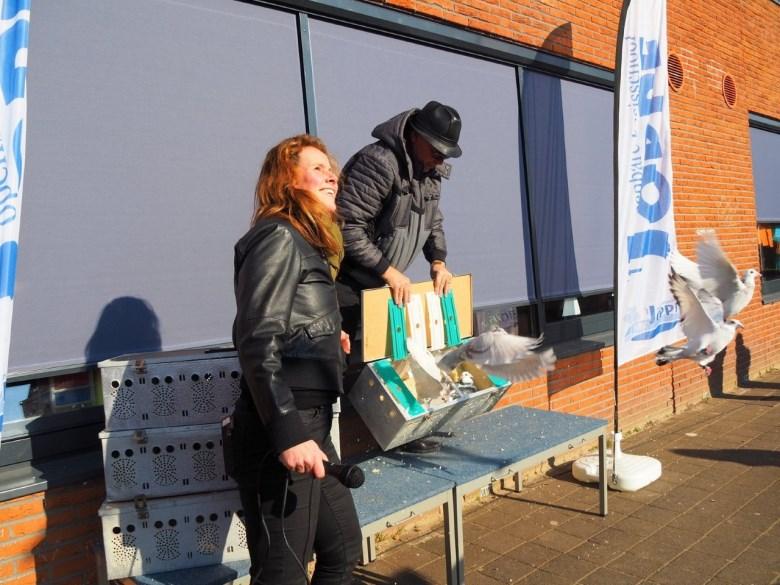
(319,516)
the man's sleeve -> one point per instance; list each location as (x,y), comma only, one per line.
(435,247)
(367,182)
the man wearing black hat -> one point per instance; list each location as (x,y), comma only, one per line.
(389,202)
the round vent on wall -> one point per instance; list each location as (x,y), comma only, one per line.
(676,74)
(729,90)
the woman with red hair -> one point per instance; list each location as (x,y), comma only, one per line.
(288,335)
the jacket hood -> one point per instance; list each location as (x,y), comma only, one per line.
(391,133)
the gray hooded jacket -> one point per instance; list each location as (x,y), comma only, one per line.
(390,208)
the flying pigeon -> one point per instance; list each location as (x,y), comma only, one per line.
(499,353)
(702,317)
(716,274)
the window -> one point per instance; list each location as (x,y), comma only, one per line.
(765,147)
(769,251)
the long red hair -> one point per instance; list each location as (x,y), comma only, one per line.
(275,195)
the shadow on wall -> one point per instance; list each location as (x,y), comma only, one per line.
(126,325)
(715,379)
(743,362)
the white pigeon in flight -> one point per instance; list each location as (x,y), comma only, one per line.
(702,318)
(714,273)
(502,354)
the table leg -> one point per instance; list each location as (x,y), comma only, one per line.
(603,475)
(457,512)
(368,550)
(450,544)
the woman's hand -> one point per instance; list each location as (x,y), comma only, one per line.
(306,457)
(442,278)
(346,344)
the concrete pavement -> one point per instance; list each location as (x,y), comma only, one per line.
(713,518)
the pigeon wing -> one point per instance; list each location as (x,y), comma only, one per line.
(696,322)
(532,365)
(717,272)
(497,347)
(686,268)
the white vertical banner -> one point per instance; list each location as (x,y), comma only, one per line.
(647,314)
(14,37)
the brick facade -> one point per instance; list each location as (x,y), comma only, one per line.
(713,176)
(50,537)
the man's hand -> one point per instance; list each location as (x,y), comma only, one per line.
(400,285)
(304,457)
(442,278)
(346,344)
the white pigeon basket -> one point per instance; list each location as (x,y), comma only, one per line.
(153,536)
(171,388)
(163,462)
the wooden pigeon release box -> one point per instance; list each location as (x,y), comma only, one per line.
(400,394)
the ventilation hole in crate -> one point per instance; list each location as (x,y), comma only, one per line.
(124,403)
(207,539)
(242,534)
(235,386)
(124,549)
(205,466)
(123,472)
(164,469)
(163,399)
(203,396)
(167,544)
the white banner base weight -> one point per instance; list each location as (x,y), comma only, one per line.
(625,473)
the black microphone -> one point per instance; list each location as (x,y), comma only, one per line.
(350,476)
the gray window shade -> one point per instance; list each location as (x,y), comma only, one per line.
(765,146)
(148,120)
(363,79)
(569,133)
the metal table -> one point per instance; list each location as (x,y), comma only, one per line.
(498,445)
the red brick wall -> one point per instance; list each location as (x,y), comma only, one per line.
(50,538)
(713,180)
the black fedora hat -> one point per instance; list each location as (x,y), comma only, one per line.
(440,126)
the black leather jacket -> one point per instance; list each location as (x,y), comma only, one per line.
(287,328)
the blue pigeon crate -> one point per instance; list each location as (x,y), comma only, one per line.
(393,395)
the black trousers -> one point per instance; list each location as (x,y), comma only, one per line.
(312,515)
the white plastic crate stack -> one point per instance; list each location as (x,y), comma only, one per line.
(169,502)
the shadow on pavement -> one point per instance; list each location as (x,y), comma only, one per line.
(749,457)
